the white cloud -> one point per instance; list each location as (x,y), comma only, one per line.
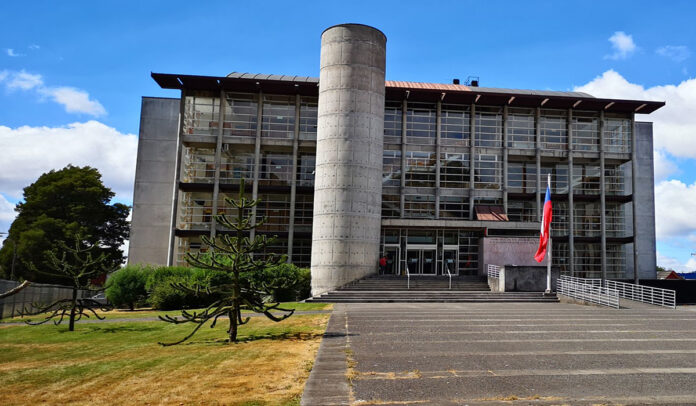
(11,52)
(34,47)
(622,44)
(675,205)
(674,126)
(675,264)
(30,151)
(7,215)
(23,80)
(677,53)
(72,99)
(663,166)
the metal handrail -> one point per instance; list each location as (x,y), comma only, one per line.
(408,278)
(579,289)
(645,294)
(450,276)
(493,271)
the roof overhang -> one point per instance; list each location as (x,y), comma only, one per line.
(414,91)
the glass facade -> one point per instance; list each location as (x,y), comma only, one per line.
(421,178)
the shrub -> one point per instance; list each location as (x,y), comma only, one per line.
(126,287)
(287,282)
(164,296)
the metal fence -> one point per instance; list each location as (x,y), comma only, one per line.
(36,293)
(493,271)
(645,294)
(588,291)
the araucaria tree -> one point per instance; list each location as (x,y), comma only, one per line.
(76,265)
(233,254)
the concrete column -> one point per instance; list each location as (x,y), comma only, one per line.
(505,159)
(438,134)
(177,176)
(402,202)
(218,164)
(350,137)
(634,187)
(602,199)
(472,158)
(257,159)
(538,163)
(571,205)
(293,181)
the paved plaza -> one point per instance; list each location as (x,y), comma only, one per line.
(447,354)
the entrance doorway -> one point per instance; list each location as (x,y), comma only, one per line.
(392,254)
(449,261)
(421,261)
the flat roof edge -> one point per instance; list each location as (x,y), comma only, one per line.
(418,91)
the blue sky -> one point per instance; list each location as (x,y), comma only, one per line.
(74,72)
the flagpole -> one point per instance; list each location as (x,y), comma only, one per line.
(548,251)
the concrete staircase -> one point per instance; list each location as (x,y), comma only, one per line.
(388,289)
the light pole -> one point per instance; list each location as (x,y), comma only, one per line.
(14,254)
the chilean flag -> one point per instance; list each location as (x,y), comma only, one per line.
(545,225)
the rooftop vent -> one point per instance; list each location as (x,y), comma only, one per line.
(472,81)
(455,81)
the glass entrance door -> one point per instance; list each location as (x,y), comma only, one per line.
(428,262)
(413,261)
(421,261)
(449,260)
(392,254)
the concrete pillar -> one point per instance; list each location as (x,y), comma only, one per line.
(217,165)
(505,160)
(472,158)
(257,159)
(602,199)
(438,135)
(402,200)
(571,204)
(539,189)
(293,181)
(350,136)
(634,187)
(177,176)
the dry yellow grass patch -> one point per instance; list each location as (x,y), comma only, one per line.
(121,364)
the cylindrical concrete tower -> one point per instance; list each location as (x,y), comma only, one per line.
(350,132)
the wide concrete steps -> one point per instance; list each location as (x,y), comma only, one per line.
(409,296)
(417,283)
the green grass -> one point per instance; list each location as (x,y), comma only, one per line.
(149,313)
(121,363)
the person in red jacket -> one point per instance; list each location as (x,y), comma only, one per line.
(382,265)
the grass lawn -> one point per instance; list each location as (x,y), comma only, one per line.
(149,313)
(120,363)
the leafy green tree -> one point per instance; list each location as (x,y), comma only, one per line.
(75,266)
(233,255)
(60,205)
(126,287)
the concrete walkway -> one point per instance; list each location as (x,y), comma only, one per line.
(499,353)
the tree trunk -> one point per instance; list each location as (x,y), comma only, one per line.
(72,310)
(233,323)
(132,306)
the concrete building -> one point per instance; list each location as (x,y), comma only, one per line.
(437,177)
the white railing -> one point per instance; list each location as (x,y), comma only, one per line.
(645,294)
(450,276)
(408,278)
(578,289)
(493,271)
